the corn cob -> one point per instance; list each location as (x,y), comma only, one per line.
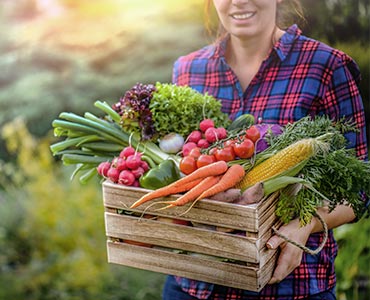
(291,158)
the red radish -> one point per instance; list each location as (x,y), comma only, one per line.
(221,133)
(126,178)
(194,136)
(187,148)
(136,183)
(138,172)
(144,165)
(205,124)
(203,144)
(121,164)
(127,151)
(211,135)
(103,168)
(133,161)
(113,174)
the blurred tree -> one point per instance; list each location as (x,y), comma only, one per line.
(338,20)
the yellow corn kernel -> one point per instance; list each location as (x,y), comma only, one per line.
(280,162)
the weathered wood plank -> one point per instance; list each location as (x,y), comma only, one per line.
(181,237)
(242,217)
(222,273)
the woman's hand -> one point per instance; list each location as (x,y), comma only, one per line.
(290,256)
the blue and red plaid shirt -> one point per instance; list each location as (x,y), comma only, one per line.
(300,77)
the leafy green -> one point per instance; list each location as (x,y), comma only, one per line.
(313,127)
(336,176)
(180,109)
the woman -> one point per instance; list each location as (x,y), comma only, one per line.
(278,75)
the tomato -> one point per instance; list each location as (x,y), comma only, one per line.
(188,164)
(244,149)
(229,143)
(205,159)
(195,152)
(225,154)
(253,133)
(212,151)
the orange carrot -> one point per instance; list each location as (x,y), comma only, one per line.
(232,176)
(213,169)
(193,193)
(166,191)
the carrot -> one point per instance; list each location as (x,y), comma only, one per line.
(193,193)
(232,176)
(214,169)
(166,191)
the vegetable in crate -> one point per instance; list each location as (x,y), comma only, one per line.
(163,174)
(134,110)
(90,140)
(160,109)
(323,175)
(180,109)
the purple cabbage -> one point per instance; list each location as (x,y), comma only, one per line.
(267,131)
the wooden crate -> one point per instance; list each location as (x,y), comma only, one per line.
(239,259)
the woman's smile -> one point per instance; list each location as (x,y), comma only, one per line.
(242,16)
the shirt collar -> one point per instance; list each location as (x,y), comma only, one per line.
(285,43)
(282,47)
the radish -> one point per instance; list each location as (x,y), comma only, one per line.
(221,133)
(133,161)
(126,178)
(205,124)
(203,144)
(103,168)
(194,136)
(138,172)
(144,165)
(187,148)
(121,164)
(113,174)
(127,151)
(211,135)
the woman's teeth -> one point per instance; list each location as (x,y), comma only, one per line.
(242,16)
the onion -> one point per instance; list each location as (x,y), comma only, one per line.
(171,143)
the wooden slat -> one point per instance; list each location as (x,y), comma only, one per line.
(242,217)
(191,267)
(182,237)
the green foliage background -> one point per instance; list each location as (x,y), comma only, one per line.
(52,242)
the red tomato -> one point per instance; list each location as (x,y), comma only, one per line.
(225,154)
(205,159)
(253,133)
(212,151)
(244,149)
(188,164)
(229,143)
(195,152)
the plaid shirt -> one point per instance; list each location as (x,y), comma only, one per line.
(299,77)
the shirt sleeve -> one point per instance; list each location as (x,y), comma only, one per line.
(343,99)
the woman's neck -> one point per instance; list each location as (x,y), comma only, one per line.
(245,56)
